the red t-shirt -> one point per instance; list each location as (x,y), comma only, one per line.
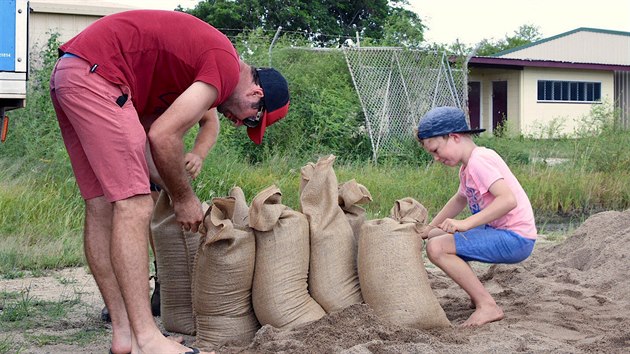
(158,55)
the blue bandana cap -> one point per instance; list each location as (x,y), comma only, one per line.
(443,121)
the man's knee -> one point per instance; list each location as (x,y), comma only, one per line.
(139,206)
(98,207)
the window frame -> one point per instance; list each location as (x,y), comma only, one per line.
(568,91)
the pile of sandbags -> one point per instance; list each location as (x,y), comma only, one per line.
(270,265)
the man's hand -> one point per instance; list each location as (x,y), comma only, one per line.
(189,213)
(193,163)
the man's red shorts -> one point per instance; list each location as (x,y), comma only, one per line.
(106,142)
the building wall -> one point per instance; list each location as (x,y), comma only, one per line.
(42,25)
(538,118)
(486,77)
(528,116)
(65,17)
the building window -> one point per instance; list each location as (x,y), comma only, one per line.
(569,91)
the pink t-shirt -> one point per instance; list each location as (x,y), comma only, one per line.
(157,55)
(484,168)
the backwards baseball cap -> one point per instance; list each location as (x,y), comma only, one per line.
(443,121)
(275,101)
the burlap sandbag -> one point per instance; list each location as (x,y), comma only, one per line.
(280,290)
(241,210)
(351,194)
(333,281)
(393,279)
(174,254)
(222,279)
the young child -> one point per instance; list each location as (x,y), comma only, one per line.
(501,228)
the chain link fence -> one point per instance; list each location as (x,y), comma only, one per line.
(397,86)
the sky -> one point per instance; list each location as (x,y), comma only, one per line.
(470,22)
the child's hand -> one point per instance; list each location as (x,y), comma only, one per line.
(193,164)
(452,225)
(424,231)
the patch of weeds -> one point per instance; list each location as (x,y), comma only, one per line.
(14,274)
(65,281)
(43,339)
(56,310)
(43,323)
(556,231)
(38,273)
(83,332)
(8,346)
(88,335)
(23,312)
(556,237)
(8,295)
(17,311)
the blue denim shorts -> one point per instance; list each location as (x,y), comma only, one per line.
(489,245)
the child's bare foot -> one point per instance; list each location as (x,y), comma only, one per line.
(483,315)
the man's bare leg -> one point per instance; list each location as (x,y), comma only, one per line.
(97,238)
(130,259)
(441,251)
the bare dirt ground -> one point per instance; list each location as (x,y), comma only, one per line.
(76,291)
(570,297)
(66,285)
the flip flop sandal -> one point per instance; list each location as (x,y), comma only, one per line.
(111,352)
(105,315)
(192,351)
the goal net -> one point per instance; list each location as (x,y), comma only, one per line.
(397,86)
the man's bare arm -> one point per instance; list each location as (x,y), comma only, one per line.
(205,140)
(167,148)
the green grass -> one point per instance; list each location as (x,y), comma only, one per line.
(41,211)
(41,215)
(22,311)
(40,322)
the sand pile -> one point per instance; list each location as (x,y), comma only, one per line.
(569,298)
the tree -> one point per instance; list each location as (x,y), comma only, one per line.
(525,34)
(324,22)
(226,14)
(403,27)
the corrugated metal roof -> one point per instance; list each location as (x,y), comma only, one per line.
(581,45)
(518,64)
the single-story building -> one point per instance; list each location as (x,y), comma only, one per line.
(551,84)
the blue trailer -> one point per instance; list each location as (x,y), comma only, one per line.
(13,58)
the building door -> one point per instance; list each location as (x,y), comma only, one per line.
(499,103)
(474,104)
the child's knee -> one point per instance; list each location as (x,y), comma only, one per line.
(434,249)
